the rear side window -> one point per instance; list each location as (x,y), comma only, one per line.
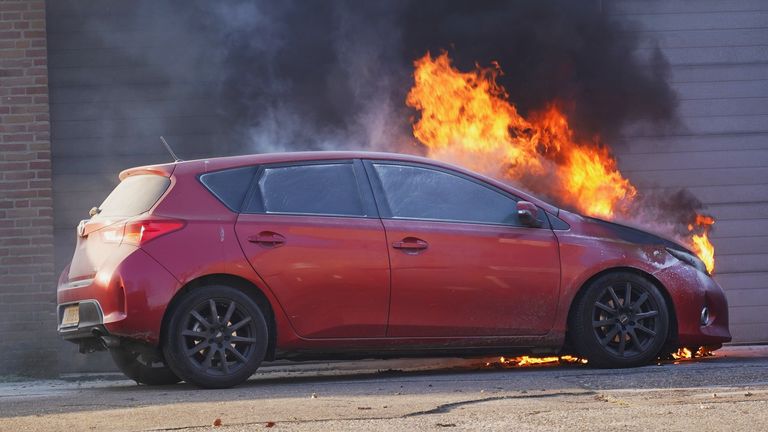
(421,193)
(229,186)
(134,196)
(321,189)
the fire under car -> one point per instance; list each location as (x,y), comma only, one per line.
(201,270)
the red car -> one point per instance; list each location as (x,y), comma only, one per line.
(201,270)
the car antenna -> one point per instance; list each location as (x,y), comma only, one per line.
(170,150)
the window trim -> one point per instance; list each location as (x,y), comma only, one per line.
(367,202)
(386,213)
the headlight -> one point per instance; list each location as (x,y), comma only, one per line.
(691,260)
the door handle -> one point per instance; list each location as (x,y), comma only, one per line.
(410,244)
(267,238)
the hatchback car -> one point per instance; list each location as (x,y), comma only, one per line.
(200,270)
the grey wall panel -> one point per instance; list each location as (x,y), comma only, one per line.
(683,7)
(718,56)
(719,72)
(688,109)
(696,160)
(709,177)
(738,245)
(699,20)
(694,143)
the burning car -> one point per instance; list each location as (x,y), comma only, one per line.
(200,270)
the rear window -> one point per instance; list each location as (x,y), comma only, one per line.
(229,186)
(134,196)
(320,189)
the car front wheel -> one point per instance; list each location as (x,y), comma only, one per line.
(621,320)
(216,337)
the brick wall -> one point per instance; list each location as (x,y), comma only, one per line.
(27,296)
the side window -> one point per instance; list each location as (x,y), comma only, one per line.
(421,193)
(229,186)
(322,189)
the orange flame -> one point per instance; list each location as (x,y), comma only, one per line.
(687,354)
(523,361)
(700,240)
(466,118)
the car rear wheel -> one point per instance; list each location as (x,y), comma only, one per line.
(143,367)
(216,337)
(621,320)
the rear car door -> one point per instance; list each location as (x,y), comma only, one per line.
(461,263)
(311,231)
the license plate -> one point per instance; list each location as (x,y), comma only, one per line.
(71,316)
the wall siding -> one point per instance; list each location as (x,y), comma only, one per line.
(718,56)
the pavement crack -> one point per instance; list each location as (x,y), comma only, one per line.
(445,408)
(440,409)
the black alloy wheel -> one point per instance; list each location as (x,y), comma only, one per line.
(143,366)
(621,320)
(216,337)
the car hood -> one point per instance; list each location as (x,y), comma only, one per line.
(605,229)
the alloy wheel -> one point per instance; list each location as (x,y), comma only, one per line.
(625,319)
(219,336)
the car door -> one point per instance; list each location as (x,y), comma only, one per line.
(313,235)
(461,263)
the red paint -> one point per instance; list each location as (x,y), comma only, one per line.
(472,280)
(339,283)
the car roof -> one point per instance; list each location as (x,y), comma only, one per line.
(200,166)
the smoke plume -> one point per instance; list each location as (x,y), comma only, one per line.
(334,74)
(284,75)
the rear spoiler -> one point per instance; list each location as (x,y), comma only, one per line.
(165,170)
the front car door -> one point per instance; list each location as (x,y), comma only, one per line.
(461,263)
(312,233)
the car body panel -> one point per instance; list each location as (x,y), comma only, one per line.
(590,248)
(331,274)
(472,280)
(136,286)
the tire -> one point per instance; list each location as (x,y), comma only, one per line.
(611,335)
(143,368)
(216,337)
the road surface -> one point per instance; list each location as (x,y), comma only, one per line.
(726,392)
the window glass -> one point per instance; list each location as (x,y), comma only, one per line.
(327,189)
(421,193)
(229,186)
(133,196)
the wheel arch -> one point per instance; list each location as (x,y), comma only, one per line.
(237,282)
(671,342)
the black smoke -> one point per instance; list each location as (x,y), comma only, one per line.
(282,75)
(569,51)
(306,71)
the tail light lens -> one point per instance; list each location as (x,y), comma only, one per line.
(142,231)
(139,232)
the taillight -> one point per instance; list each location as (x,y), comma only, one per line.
(141,231)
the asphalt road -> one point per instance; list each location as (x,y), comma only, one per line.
(726,392)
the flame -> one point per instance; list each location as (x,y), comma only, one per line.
(523,361)
(700,240)
(687,354)
(466,118)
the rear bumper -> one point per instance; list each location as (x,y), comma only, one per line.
(126,298)
(91,322)
(691,291)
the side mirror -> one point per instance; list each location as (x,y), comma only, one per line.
(527,214)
